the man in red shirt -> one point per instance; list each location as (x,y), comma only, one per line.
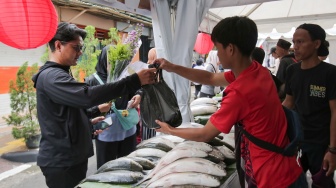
(250,98)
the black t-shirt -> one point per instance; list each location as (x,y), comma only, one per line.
(312,90)
(284,63)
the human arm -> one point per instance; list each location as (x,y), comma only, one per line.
(98,110)
(63,89)
(205,134)
(329,161)
(289,102)
(105,107)
(195,75)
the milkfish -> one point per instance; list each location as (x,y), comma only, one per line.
(190,165)
(148,152)
(172,156)
(159,141)
(229,155)
(145,163)
(193,144)
(160,146)
(215,155)
(118,177)
(122,163)
(186,178)
(190,125)
(174,139)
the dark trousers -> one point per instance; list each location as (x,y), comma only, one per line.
(312,159)
(197,89)
(206,95)
(301,182)
(65,177)
(107,151)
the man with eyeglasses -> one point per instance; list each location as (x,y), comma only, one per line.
(66,141)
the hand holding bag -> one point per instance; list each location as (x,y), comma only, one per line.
(158,102)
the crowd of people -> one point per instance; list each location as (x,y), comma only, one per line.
(252,97)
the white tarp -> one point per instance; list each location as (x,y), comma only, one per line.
(174,40)
(281,16)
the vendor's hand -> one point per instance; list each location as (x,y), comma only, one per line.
(137,100)
(105,107)
(165,128)
(147,76)
(97,119)
(329,163)
(164,64)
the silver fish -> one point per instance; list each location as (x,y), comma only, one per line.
(186,178)
(145,163)
(120,164)
(118,176)
(193,144)
(168,144)
(190,165)
(229,155)
(172,156)
(147,152)
(160,146)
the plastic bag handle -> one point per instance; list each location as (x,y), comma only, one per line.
(158,75)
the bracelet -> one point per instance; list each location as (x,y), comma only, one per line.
(332,149)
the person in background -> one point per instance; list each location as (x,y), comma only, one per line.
(151,56)
(258,55)
(211,65)
(286,59)
(245,100)
(325,58)
(66,142)
(199,65)
(311,91)
(115,142)
(276,60)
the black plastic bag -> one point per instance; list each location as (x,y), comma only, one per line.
(159,102)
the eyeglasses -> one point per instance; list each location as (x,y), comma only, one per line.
(76,47)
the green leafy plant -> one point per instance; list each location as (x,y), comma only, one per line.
(23,115)
(120,55)
(89,58)
(113,37)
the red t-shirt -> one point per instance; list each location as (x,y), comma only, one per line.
(253,100)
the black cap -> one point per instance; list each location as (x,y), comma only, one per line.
(317,33)
(272,50)
(284,44)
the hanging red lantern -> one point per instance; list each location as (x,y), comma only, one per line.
(26,24)
(203,43)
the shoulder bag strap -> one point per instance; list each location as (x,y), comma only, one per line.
(259,142)
(98,78)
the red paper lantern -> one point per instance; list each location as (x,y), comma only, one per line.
(203,43)
(26,24)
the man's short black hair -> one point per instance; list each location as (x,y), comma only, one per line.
(199,62)
(258,54)
(66,32)
(239,31)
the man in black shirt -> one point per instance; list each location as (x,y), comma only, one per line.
(286,59)
(66,141)
(311,90)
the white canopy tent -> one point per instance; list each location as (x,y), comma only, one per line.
(176,24)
